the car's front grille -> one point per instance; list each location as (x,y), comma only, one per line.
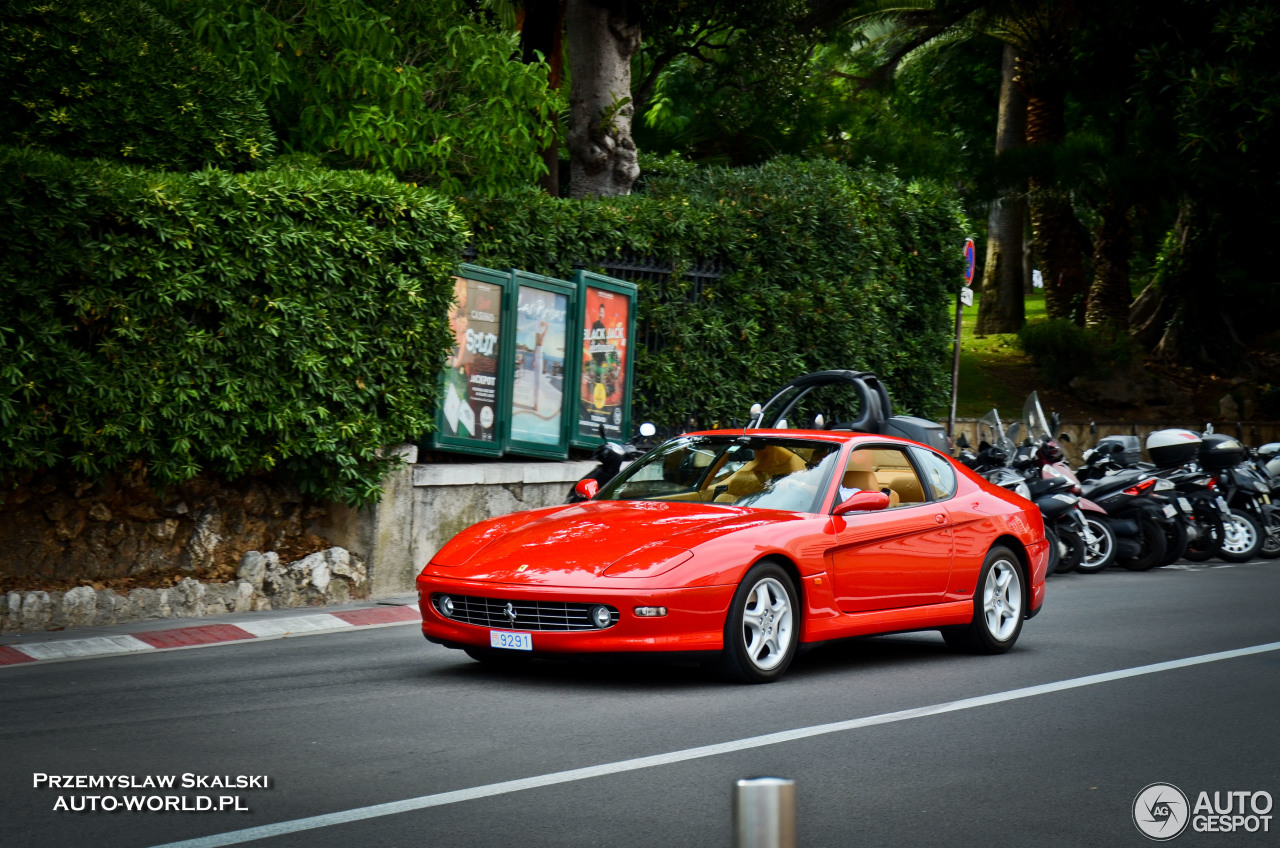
(529,615)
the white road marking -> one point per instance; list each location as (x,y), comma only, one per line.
(70,648)
(296,624)
(236,837)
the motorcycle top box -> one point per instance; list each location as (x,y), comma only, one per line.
(1221,451)
(1127,453)
(1171,448)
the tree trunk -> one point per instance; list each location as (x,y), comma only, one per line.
(603,36)
(1109,296)
(1056,232)
(1002,308)
(540,33)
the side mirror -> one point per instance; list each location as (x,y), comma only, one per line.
(647,429)
(862,502)
(819,423)
(586,488)
(757,412)
(962,442)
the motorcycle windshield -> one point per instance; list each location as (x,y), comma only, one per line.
(989,429)
(1033,418)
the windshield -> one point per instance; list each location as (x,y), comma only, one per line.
(1034,418)
(760,472)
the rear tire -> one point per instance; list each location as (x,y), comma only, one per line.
(1175,539)
(762,629)
(1055,550)
(999,606)
(1271,534)
(1153,546)
(1072,547)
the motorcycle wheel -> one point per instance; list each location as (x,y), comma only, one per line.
(1070,551)
(1153,546)
(1099,545)
(1175,539)
(1241,538)
(1271,536)
(1055,551)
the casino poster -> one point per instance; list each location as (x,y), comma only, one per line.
(471,372)
(602,397)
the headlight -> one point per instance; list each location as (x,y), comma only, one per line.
(601,616)
(444,604)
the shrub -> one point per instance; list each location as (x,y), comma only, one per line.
(827,268)
(1062,350)
(168,324)
(113,78)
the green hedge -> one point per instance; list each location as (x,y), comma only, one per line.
(171,324)
(115,79)
(831,268)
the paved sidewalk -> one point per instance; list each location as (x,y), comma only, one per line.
(177,634)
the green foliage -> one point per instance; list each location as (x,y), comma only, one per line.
(830,268)
(418,88)
(168,324)
(1063,350)
(113,78)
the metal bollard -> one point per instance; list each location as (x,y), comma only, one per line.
(764,813)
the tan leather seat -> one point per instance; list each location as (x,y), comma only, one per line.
(769,462)
(907,488)
(859,475)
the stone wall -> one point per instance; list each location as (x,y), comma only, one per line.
(263,583)
(56,532)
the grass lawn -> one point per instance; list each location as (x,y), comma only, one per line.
(994,372)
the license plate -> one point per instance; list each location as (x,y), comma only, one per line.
(510,640)
(1186,505)
(1170,511)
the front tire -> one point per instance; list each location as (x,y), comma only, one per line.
(1271,534)
(1099,545)
(998,607)
(1241,538)
(1175,540)
(762,629)
(1071,548)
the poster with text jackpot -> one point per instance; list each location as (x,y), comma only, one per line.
(470,404)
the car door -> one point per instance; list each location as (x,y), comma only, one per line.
(897,557)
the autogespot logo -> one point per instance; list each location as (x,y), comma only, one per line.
(1160,811)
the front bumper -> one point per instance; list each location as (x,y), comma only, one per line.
(694,620)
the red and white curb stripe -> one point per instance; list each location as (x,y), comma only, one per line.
(206,634)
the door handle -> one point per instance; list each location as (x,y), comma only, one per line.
(940,518)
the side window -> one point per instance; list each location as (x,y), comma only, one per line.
(939,473)
(881,469)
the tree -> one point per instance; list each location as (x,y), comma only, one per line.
(423,89)
(95,78)
(1002,308)
(603,36)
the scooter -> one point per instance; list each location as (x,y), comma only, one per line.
(613,458)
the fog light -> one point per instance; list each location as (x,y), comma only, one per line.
(601,616)
(651,612)
(444,603)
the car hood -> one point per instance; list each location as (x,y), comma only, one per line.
(577,544)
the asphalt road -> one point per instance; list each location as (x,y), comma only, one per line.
(346,721)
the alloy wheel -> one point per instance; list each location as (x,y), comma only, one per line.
(767,624)
(1002,599)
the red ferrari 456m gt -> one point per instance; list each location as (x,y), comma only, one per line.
(745,545)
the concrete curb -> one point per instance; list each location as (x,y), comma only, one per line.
(205,635)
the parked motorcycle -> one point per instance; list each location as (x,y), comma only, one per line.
(1064,525)
(613,457)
